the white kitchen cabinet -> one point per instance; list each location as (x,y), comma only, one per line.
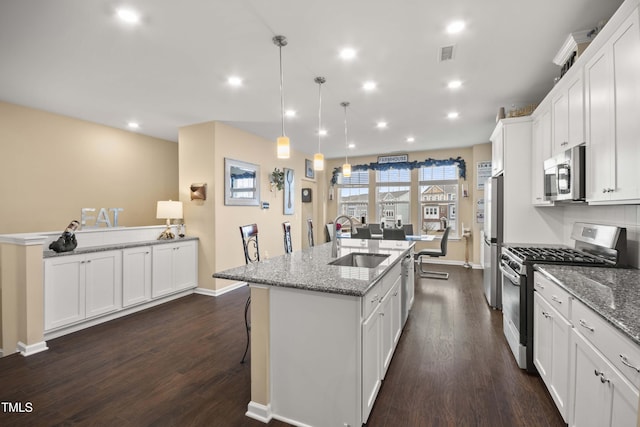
(78,287)
(540,151)
(371,362)
(391,327)
(612,97)
(174,267)
(601,397)
(567,109)
(497,150)
(551,350)
(136,275)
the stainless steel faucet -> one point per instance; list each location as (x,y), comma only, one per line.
(334,247)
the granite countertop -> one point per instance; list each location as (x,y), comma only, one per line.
(613,293)
(114,246)
(309,269)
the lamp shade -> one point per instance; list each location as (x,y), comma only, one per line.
(346,170)
(169,210)
(318,161)
(283,147)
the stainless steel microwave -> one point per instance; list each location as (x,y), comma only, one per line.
(564,176)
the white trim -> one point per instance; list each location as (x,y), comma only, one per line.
(28,350)
(55,333)
(259,412)
(290,421)
(218,292)
(23,239)
(570,44)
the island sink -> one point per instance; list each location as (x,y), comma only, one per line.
(359,259)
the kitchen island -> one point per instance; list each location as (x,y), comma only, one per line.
(323,335)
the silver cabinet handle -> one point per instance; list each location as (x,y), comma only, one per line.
(604,190)
(546,315)
(556,299)
(585,325)
(396,294)
(600,374)
(539,286)
(625,362)
(375,298)
(381,314)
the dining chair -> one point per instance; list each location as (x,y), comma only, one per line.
(408,229)
(393,234)
(434,253)
(286,228)
(310,231)
(375,228)
(362,233)
(249,235)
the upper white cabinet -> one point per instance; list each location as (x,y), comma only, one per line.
(540,151)
(497,151)
(612,97)
(567,107)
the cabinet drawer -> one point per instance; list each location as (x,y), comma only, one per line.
(557,297)
(390,279)
(620,350)
(371,300)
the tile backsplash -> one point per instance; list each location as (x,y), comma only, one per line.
(627,216)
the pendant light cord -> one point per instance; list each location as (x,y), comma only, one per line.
(319,111)
(346,143)
(281,92)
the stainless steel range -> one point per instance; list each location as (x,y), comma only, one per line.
(595,245)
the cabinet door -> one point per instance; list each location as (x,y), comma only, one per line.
(560,124)
(185,265)
(540,151)
(575,111)
(162,270)
(497,152)
(64,297)
(136,275)
(371,362)
(625,51)
(601,397)
(386,313)
(396,311)
(599,121)
(103,282)
(542,337)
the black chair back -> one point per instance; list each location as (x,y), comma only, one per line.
(393,234)
(286,228)
(310,231)
(443,242)
(375,229)
(249,234)
(408,229)
(362,233)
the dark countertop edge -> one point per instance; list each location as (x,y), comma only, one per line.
(608,318)
(114,247)
(330,290)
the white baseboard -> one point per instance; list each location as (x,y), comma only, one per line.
(28,350)
(259,412)
(218,292)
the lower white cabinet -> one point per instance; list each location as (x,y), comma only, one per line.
(390,312)
(371,361)
(601,396)
(174,267)
(136,275)
(79,287)
(551,350)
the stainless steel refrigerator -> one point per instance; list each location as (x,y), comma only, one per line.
(492,279)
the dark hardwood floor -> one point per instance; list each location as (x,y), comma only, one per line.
(178,365)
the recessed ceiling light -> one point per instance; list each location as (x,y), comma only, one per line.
(234,81)
(133,125)
(129,16)
(411,139)
(322,132)
(453,115)
(455,27)
(352,145)
(454,84)
(348,53)
(370,85)
(381,125)
(290,113)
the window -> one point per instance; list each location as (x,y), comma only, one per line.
(438,195)
(393,196)
(353,194)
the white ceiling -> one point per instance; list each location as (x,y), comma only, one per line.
(76,58)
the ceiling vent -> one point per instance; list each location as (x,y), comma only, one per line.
(446,53)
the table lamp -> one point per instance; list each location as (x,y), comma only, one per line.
(168,210)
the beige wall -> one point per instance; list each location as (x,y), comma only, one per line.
(466,207)
(203,148)
(53,166)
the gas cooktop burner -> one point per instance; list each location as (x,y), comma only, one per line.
(567,255)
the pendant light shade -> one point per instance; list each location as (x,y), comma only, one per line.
(283,142)
(346,167)
(318,158)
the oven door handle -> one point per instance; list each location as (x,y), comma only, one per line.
(513,277)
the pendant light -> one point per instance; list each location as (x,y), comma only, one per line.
(346,168)
(283,141)
(318,158)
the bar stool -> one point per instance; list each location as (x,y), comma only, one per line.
(286,228)
(435,253)
(393,234)
(310,231)
(249,234)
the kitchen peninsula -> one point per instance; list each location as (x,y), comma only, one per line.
(324,329)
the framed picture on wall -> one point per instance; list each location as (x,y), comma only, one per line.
(289,193)
(308,169)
